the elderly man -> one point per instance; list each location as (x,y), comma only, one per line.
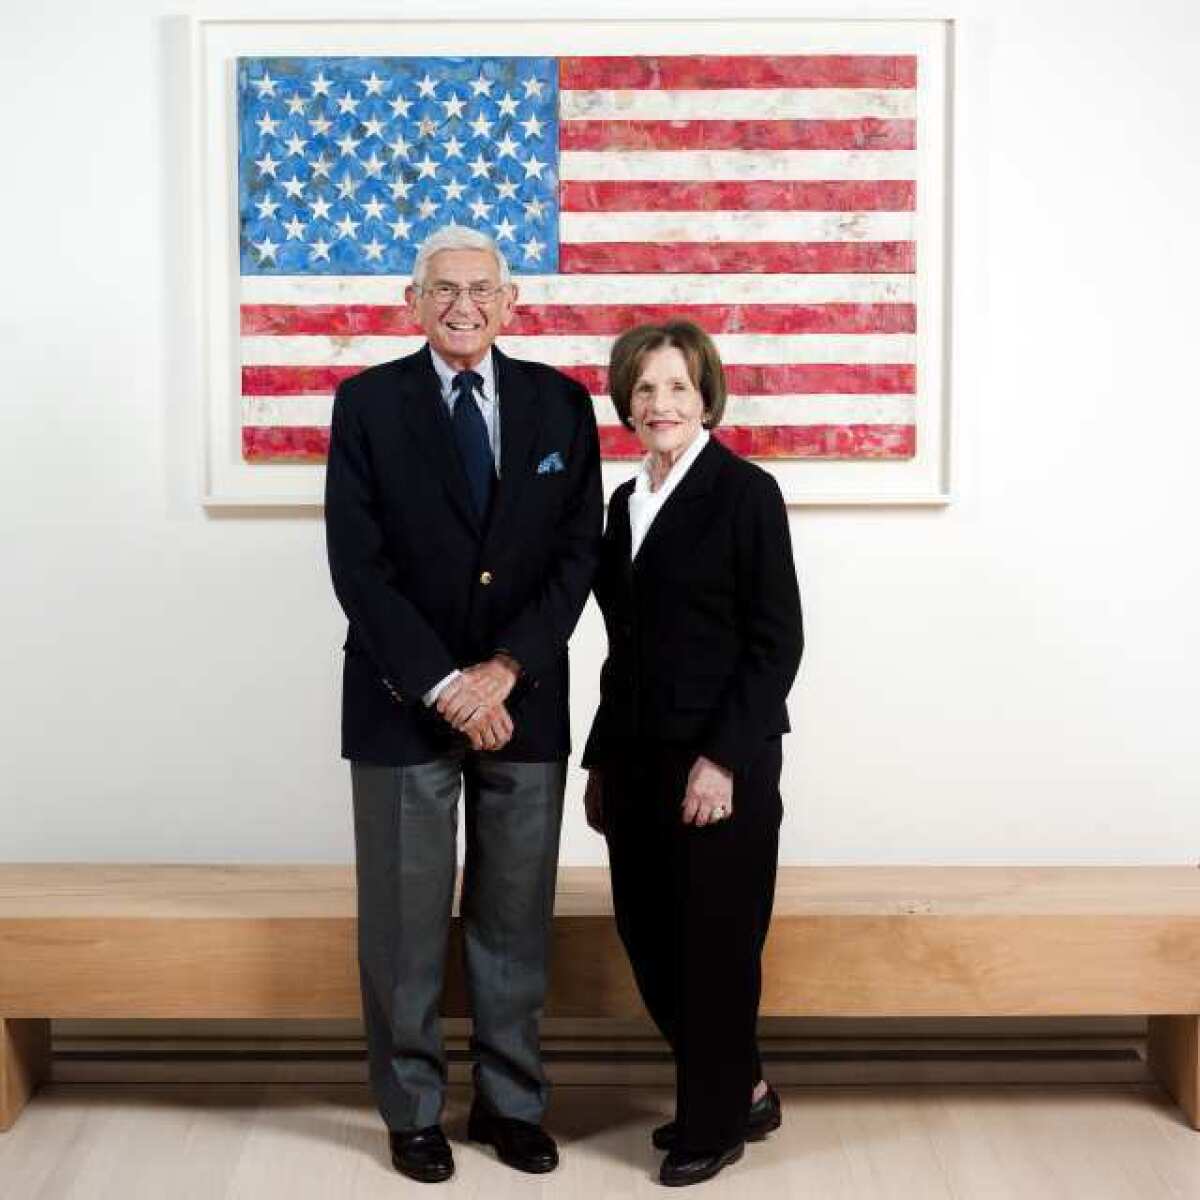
(463,509)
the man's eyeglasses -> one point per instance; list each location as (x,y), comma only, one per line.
(448,293)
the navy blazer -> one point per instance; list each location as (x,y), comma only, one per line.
(704,626)
(426,585)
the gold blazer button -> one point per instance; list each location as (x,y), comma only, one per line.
(485,578)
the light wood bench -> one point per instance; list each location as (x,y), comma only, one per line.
(279,942)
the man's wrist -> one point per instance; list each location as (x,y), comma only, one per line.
(506,660)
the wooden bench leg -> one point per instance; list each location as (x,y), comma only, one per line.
(1173,1052)
(24,1063)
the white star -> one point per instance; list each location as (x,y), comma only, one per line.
(532,127)
(374,85)
(506,146)
(266,164)
(347,104)
(508,106)
(480,167)
(373,127)
(427,167)
(426,127)
(400,106)
(481,126)
(399,147)
(320,165)
(266,249)
(374,250)
(320,249)
(265,85)
(533,248)
(400,189)
(321,85)
(453,147)
(374,208)
(319,125)
(533,209)
(427,207)
(399,228)
(295,229)
(346,227)
(294,187)
(373,165)
(453,106)
(427,86)
(295,144)
(346,188)
(507,189)
(533,87)
(295,106)
(479,209)
(454,189)
(266,125)
(534,167)
(320,209)
(348,144)
(481,86)
(505,229)
(266,207)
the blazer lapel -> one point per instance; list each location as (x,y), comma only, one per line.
(520,418)
(681,503)
(429,422)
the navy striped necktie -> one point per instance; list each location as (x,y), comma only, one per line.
(471,437)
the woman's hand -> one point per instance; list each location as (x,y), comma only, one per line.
(709,797)
(593,800)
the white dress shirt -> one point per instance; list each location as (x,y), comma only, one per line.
(645,504)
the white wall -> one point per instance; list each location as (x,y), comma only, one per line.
(1011,680)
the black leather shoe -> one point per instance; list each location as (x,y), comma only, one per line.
(765,1115)
(422,1154)
(521,1144)
(681,1170)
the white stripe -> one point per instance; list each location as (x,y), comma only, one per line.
(293,411)
(713,165)
(578,227)
(733,104)
(305,350)
(602,289)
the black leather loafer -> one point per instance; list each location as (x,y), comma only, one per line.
(520,1144)
(422,1154)
(765,1116)
(681,1170)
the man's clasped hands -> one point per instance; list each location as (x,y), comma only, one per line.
(474,702)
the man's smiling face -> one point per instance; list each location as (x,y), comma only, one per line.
(461,329)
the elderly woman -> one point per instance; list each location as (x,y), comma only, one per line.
(699,596)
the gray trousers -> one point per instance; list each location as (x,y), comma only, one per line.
(405,825)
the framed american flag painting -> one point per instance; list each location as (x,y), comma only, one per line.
(782,183)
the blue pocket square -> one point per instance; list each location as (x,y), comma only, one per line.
(551,463)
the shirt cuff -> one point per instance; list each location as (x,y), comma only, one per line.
(430,697)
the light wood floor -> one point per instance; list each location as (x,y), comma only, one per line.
(258,1142)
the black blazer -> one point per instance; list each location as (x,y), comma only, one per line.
(704,627)
(425,585)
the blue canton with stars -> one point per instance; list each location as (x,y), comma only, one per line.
(345,165)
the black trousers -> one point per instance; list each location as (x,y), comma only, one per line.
(693,906)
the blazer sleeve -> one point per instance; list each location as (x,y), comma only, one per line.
(538,634)
(404,648)
(770,627)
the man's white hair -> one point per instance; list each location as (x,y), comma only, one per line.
(457,237)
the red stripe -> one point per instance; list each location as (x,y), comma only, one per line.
(850,195)
(740,71)
(736,257)
(788,441)
(355,319)
(794,379)
(311,443)
(861,133)
(294,381)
